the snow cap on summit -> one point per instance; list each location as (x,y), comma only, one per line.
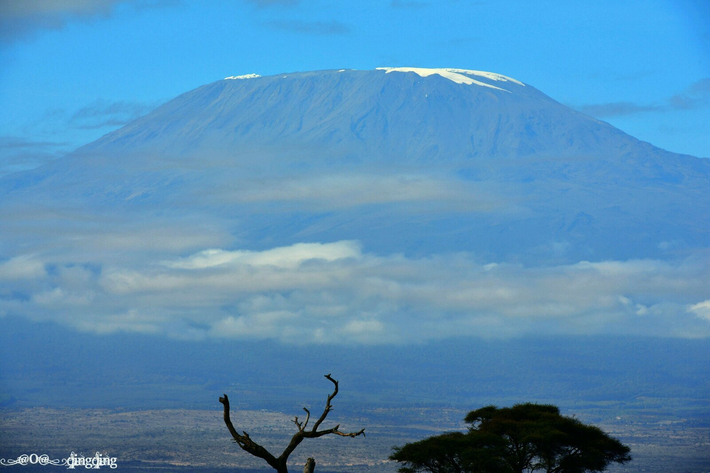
(459,76)
(245,76)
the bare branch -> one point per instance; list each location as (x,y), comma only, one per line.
(350,434)
(244,441)
(308,417)
(315,433)
(328,406)
(279,464)
(302,425)
(336,430)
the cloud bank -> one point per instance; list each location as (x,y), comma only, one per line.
(21,19)
(18,153)
(339,191)
(337,292)
(103,113)
(697,95)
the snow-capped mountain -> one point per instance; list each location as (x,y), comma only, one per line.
(407,115)
(401,159)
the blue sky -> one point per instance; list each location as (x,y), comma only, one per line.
(73,70)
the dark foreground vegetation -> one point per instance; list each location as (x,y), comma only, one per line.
(280,463)
(524,438)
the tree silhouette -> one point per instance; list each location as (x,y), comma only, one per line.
(279,463)
(524,438)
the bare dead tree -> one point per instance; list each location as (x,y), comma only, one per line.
(279,463)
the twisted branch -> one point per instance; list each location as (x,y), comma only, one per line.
(302,425)
(302,433)
(253,448)
(244,441)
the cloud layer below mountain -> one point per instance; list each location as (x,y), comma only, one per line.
(337,292)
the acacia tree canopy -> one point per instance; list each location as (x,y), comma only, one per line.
(524,438)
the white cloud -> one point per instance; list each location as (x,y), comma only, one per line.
(701,309)
(285,257)
(132,320)
(22,267)
(367,331)
(337,293)
(58,296)
(259,325)
(350,190)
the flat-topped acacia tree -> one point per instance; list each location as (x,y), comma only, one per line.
(525,438)
(279,463)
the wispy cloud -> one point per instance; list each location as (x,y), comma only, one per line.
(319,28)
(338,191)
(18,153)
(617,109)
(22,268)
(103,113)
(701,309)
(16,142)
(695,96)
(20,19)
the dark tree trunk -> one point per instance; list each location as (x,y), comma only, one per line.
(310,466)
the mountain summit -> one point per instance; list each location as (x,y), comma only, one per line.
(398,114)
